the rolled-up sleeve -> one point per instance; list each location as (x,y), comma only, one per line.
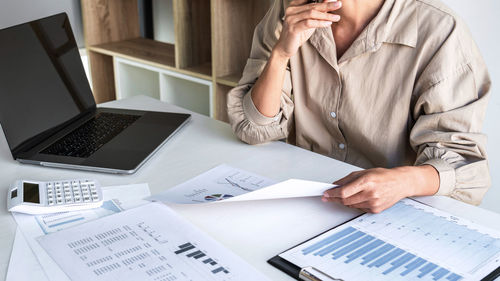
(450,103)
(247,122)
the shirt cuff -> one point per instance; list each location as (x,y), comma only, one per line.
(254,115)
(447,177)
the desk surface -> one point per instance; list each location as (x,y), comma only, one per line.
(256,231)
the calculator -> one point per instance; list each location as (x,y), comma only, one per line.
(36,197)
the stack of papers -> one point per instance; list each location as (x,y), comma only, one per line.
(26,251)
(150,242)
(132,239)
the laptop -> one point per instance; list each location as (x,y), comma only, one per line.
(49,115)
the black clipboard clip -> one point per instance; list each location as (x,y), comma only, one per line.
(310,273)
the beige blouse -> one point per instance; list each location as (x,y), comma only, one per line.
(411,90)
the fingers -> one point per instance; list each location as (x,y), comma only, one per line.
(308,24)
(313,15)
(324,7)
(355,199)
(349,189)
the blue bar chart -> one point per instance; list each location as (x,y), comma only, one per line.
(405,242)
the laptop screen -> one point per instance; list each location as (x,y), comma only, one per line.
(42,80)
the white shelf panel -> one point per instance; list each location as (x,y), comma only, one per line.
(185,93)
(193,93)
(133,81)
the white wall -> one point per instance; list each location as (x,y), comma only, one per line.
(482,17)
(163,21)
(14,12)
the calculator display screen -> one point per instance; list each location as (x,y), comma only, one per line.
(31,193)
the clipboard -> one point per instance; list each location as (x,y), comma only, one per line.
(312,274)
(293,270)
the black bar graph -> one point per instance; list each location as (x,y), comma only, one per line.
(191,252)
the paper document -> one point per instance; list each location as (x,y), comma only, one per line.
(23,265)
(150,242)
(410,241)
(292,188)
(116,199)
(225,183)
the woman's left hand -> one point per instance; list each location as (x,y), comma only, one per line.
(377,189)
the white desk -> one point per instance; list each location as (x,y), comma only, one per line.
(256,231)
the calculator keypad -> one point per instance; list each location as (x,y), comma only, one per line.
(68,192)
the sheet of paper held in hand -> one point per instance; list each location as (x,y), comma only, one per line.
(150,242)
(228,184)
(116,199)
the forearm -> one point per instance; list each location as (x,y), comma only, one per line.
(266,93)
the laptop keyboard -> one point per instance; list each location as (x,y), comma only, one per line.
(91,136)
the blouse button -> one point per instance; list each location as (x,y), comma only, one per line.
(342,146)
(333,114)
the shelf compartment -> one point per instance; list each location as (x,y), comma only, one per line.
(102,75)
(193,39)
(132,80)
(187,92)
(203,71)
(233,24)
(142,50)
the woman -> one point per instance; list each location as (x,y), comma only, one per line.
(397,87)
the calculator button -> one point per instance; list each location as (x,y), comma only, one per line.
(78,199)
(86,199)
(69,200)
(51,202)
(59,201)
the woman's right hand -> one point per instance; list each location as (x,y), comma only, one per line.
(301,20)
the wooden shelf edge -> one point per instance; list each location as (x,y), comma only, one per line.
(203,71)
(229,80)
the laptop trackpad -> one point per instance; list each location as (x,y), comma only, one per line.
(128,149)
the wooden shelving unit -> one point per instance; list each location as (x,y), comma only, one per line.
(197,70)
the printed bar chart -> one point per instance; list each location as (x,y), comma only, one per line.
(402,243)
(197,254)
